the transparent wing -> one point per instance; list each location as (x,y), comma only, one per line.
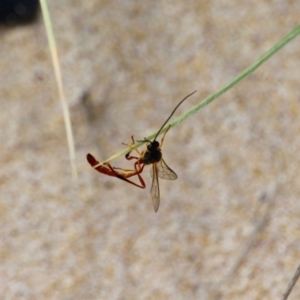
(155,187)
(164,171)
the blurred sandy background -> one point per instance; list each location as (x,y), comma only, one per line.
(227,228)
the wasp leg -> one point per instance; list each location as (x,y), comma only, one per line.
(128,156)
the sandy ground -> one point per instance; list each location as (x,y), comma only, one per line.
(227,228)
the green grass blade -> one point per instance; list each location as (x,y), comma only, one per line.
(58,76)
(214,96)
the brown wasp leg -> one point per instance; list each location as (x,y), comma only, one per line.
(162,140)
(128,156)
(129,173)
(107,169)
(139,171)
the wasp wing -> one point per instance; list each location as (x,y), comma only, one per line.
(161,170)
(155,195)
(164,171)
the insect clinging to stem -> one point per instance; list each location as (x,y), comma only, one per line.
(152,155)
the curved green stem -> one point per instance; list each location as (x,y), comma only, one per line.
(214,96)
(58,76)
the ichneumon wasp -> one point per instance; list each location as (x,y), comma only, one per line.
(152,155)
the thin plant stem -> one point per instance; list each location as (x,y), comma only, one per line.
(214,96)
(58,76)
(291,284)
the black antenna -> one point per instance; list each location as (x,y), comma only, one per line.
(172,114)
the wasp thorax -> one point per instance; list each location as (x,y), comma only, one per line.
(153,153)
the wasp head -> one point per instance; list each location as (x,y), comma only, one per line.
(152,146)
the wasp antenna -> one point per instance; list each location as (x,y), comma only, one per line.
(172,114)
